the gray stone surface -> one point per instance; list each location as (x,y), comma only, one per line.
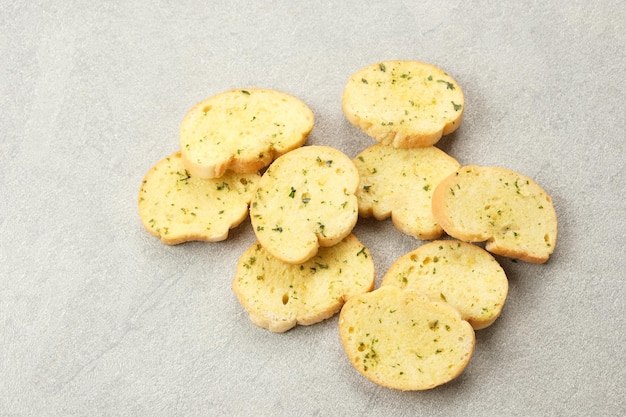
(99,318)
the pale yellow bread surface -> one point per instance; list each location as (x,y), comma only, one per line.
(508,210)
(401,339)
(242,130)
(399,183)
(305,199)
(459,273)
(178,207)
(404,104)
(278,296)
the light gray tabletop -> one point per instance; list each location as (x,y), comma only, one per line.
(97,317)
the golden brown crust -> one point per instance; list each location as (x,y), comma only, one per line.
(305,199)
(459,273)
(404,104)
(278,296)
(242,130)
(402,340)
(508,210)
(178,207)
(399,183)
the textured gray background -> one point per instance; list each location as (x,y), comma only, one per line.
(99,318)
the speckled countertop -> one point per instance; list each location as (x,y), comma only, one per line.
(99,318)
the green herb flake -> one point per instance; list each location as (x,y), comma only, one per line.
(292,193)
(183,176)
(449,85)
(223,186)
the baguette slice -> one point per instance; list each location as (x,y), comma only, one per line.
(305,199)
(404,104)
(178,207)
(400,183)
(461,274)
(508,210)
(242,130)
(278,296)
(402,340)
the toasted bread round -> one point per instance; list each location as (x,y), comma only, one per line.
(278,296)
(508,210)
(400,339)
(178,207)
(305,199)
(400,183)
(459,273)
(242,130)
(404,104)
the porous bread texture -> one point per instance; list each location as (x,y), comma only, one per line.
(277,296)
(305,199)
(401,339)
(404,104)
(462,274)
(177,207)
(508,210)
(400,183)
(242,130)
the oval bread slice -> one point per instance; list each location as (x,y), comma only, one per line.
(402,340)
(404,104)
(400,183)
(178,207)
(278,296)
(461,274)
(508,210)
(242,130)
(305,199)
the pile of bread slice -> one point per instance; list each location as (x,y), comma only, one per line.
(243,153)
